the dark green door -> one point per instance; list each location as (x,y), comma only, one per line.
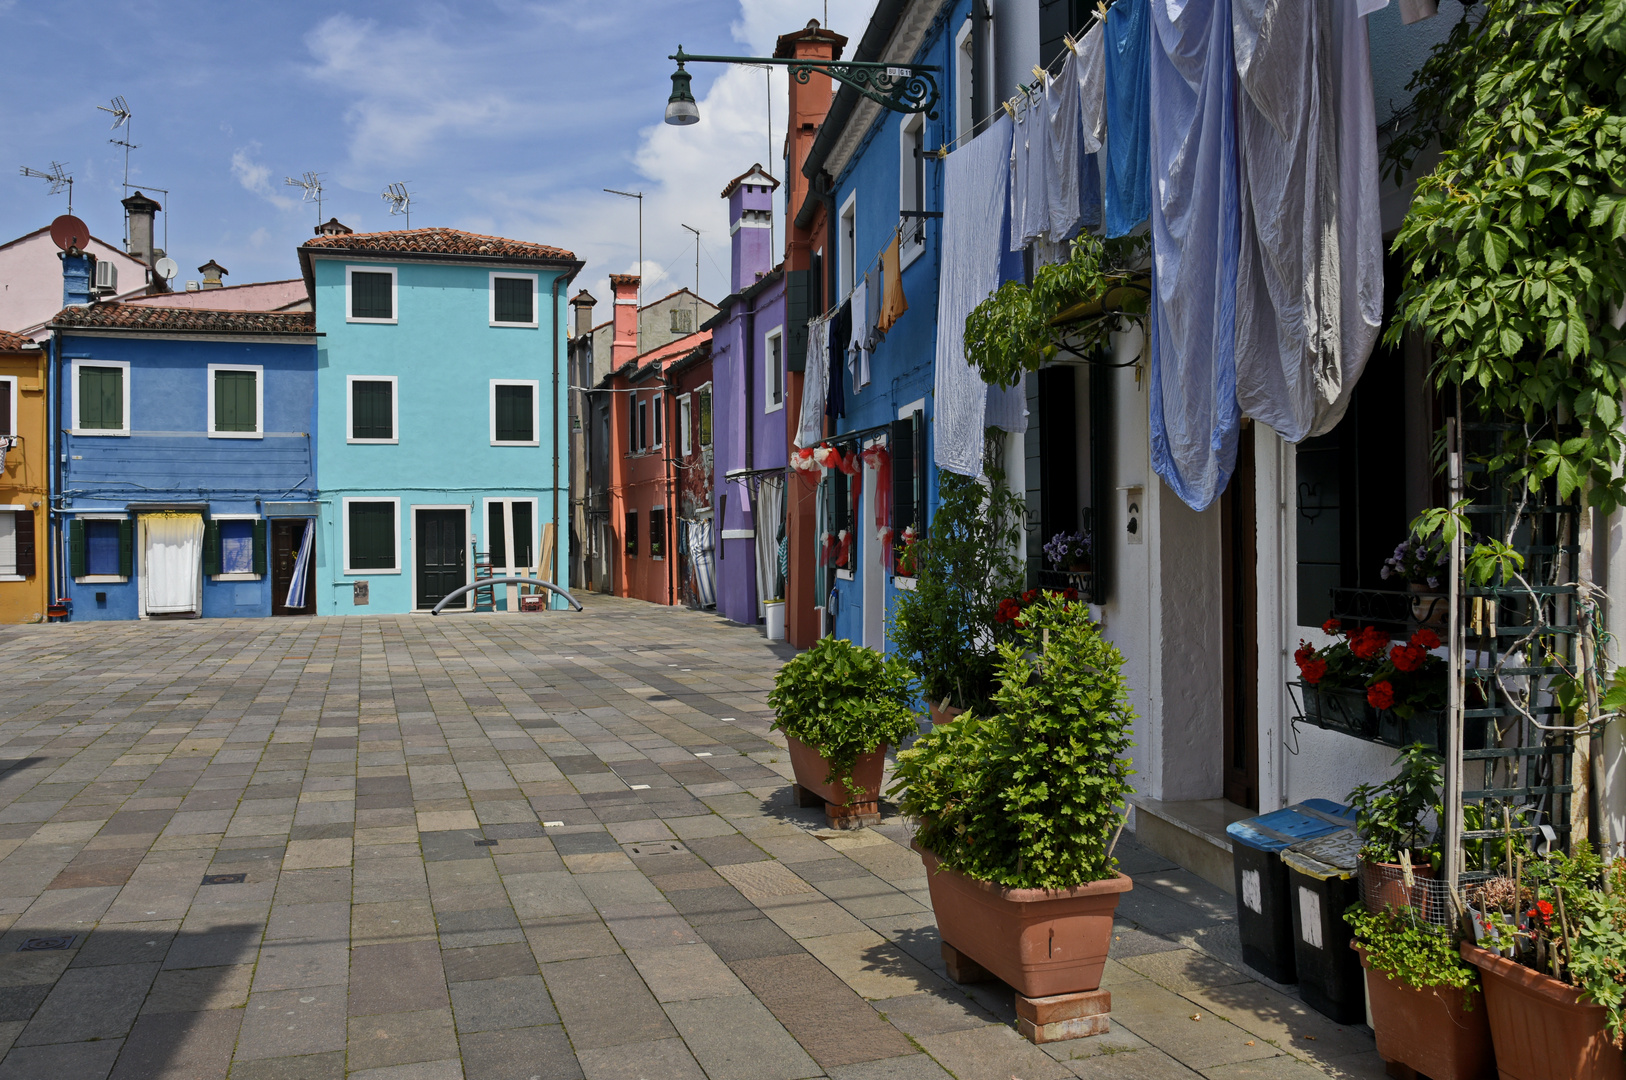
(440,545)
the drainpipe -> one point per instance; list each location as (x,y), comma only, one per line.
(55,558)
(558,526)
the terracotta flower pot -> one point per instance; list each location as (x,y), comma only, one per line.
(1540,1027)
(1384,886)
(811,768)
(942,714)
(1040,941)
(1441,1032)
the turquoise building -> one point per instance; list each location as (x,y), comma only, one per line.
(441,376)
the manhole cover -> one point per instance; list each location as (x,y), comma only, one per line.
(655,847)
(224,879)
(46,944)
(485,843)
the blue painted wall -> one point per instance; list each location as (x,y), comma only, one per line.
(169,456)
(443,352)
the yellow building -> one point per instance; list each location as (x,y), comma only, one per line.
(23,479)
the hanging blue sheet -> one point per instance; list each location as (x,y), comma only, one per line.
(1128,186)
(1195,242)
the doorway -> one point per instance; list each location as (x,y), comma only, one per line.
(511,541)
(440,543)
(1239,555)
(873,563)
(287,540)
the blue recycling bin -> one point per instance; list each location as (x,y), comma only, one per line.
(1264,917)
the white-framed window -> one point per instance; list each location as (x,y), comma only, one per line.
(105,537)
(965,105)
(658,407)
(236,401)
(685,425)
(372,536)
(514,419)
(235,535)
(514,299)
(511,535)
(912,186)
(370,295)
(682,321)
(371,409)
(773,370)
(101,397)
(847,246)
(8,406)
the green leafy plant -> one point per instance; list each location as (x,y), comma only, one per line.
(1390,816)
(1031,796)
(1410,949)
(844,700)
(964,564)
(1014,330)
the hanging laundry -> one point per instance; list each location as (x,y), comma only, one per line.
(893,303)
(873,288)
(835,400)
(1091,75)
(858,343)
(1360,213)
(1061,106)
(810,427)
(1193,410)
(974,213)
(1128,181)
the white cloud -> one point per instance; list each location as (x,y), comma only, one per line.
(256,176)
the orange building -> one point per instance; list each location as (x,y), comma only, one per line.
(24,474)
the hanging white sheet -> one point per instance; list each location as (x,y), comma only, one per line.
(767,516)
(974,203)
(1090,73)
(1061,110)
(172,562)
(815,383)
(1193,410)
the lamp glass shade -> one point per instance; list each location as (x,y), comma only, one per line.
(681,109)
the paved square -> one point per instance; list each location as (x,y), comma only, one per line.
(511,846)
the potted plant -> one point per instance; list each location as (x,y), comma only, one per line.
(1390,818)
(1408,691)
(1019,809)
(1557,1006)
(1333,678)
(1069,551)
(904,565)
(1423,564)
(840,706)
(945,628)
(1428,1012)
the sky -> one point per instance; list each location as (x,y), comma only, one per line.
(501,116)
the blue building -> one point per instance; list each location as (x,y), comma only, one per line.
(443,442)
(187,459)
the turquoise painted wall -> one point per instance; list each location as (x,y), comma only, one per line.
(443,352)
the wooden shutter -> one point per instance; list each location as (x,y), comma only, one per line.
(236,407)
(372,409)
(524,558)
(370,296)
(126,548)
(657,533)
(496,540)
(372,536)
(211,547)
(796,316)
(7,423)
(23,535)
(903,476)
(259,547)
(101,398)
(632,423)
(513,405)
(76,548)
(513,300)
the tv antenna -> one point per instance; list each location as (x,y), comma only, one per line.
(121,119)
(400,200)
(57,177)
(640,318)
(696,232)
(311,184)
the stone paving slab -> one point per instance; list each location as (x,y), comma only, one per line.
(491,846)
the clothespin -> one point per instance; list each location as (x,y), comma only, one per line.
(1008,110)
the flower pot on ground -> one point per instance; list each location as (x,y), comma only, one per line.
(1019,811)
(942,712)
(814,774)
(1543,1029)
(1391,819)
(842,702)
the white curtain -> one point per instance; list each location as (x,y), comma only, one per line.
(172,562)
(770,511)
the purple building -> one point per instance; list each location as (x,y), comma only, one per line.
(748,406)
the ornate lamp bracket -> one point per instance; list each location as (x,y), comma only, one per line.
(902,88)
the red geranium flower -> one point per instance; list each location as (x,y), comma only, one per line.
(1069,594)
(1330,627)
(1367,642)
(1380,695)
(1426,638)
(1543,911)
(1407,657)
(1303,653)
(1030,596)
(1313,671)
(1008,609)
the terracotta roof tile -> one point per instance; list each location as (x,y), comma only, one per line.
(145,317)
(10,342)
(438,242)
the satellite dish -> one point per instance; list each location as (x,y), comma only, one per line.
(69,233)
(167,268)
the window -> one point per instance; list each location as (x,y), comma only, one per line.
(643,426)
(912,186)
(657,532)
(501,515)
(371,294)
(234,402)
(16,542)
(685,426)
(632,532)
(513,299)
(632,423)
(513,412)
(101,397)
(773,361)
(234,548)
(370,536)
(101,549)
(847,246)
(8,406)
(964,102)
(372,408)
(682,321)
(659,409)
(703,406)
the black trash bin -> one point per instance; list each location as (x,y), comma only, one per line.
(1262,895)
(1321,875)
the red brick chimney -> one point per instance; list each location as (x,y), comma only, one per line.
(624,343)
(809,103)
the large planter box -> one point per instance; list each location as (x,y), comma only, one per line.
(1339,710)
(811,768)
(1540,1027)
(1441,1032)
(1042,942)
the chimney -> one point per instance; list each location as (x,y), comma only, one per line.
(624,341)
(333,227)
(581,310)
(141,210)
(211,272)
(809,102)
(78,278)
(750,221)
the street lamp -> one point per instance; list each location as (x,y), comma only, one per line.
(903,88)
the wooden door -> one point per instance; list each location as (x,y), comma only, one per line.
(286,535)
(440,543)
(1241,638)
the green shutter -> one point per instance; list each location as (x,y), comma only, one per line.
(704,398)
(372,409)
(259,547)
(370,296)
(496,540)
(512,302)
(126,548)
(76,548)
(372,536)
(236,407)
(524,558)
(101,399)
(211,547)
(513,404)
(24,537)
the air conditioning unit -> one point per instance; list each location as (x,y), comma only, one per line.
(107,277)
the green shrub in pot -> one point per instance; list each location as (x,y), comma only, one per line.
(844,701)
